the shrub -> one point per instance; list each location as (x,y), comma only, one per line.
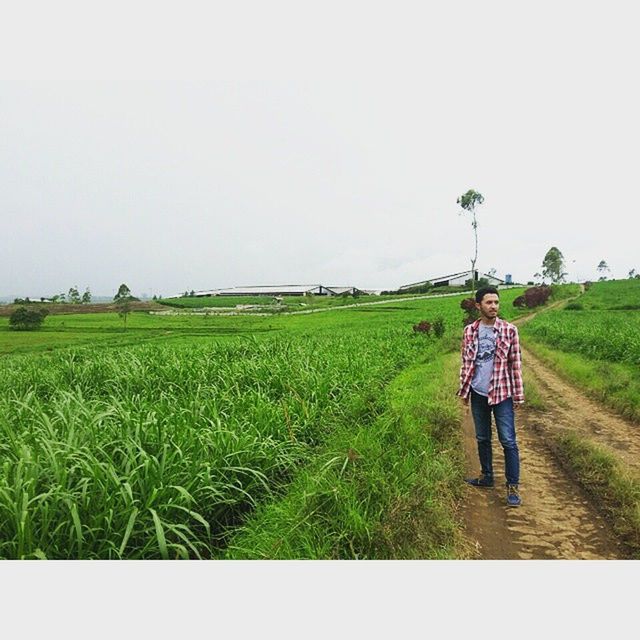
(439,327)
(520,302)
(23,319)
(471,313)
(422,327)
(536,296)
(574,306)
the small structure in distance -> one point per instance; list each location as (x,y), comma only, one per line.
(454,280)
(281,290)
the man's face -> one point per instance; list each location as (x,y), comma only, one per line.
(489,306)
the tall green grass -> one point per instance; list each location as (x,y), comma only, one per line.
(158,451)
(382,490)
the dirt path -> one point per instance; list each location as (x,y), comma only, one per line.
(557,519)
(567,407)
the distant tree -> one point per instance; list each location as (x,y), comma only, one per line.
(86,296)
(123,292)
(74,295)
(553,265)
(192,293)
(123,300)
(632,273)
(603,269)
(480,282)
(62,297)
(538,277)
(24,319)
(154,297)
(469,201)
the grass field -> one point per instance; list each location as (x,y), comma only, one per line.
(322,435)
(290,303)
(595,342)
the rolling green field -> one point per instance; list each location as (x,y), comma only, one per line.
(595,342)
(108,328)
(187,437)
(289,303)
(613,295)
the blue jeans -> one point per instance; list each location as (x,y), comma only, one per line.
(505,422)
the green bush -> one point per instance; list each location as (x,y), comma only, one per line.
(439,327)
(23,319)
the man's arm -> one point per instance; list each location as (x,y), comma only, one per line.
(515,367)
(463,370)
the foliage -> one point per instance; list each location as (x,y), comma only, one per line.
(480,282)
(536,296)
(422,327)
(603,269)
(520,302)
(27,319)
(468,305)
(439,327)
(86,296)
(553,265)
(74,296)
(123,292)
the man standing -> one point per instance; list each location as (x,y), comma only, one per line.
(491,381)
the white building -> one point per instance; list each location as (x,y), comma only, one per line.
(454,280)
(280,290)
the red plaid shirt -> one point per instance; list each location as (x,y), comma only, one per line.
(507,373)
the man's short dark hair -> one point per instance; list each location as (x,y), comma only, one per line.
(481,293)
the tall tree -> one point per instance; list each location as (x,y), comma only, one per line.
(632,273)
(86,296)
(603,268)
(553,265)
(469,201)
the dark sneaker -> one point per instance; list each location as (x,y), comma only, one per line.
(482,481)
(513,497)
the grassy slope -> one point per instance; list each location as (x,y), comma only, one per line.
(576,343)
(72,330)
(615,384)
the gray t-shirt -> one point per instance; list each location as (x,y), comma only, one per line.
(484,360)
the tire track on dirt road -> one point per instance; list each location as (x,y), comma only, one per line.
(568,408)
(556,519)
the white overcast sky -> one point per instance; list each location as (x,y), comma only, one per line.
(191,146)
